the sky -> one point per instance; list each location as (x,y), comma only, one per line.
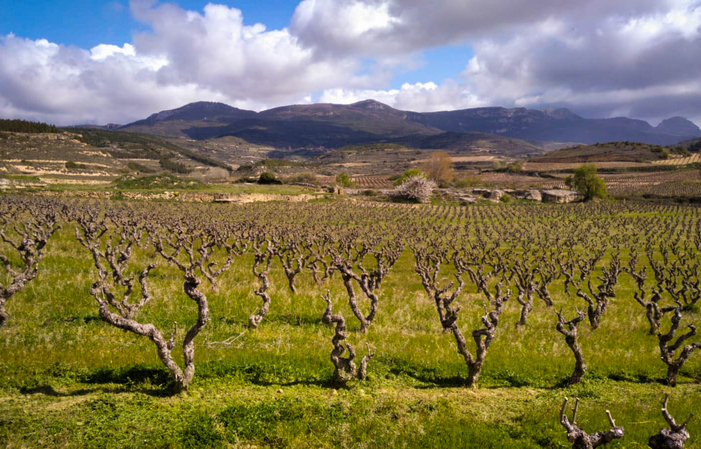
(97,61)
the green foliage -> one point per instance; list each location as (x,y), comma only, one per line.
(343,180)
(467,181)
(514,167)
(175,167)
(268,178)
(70,165)
(373,147)
(23,126)
(135,166)
(681,151)
(569,181)
(156,182)
(588,183)
(303,178)
(202,431)
(412,172)
(275,163)
(695,147)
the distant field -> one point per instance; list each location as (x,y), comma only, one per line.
(694,158)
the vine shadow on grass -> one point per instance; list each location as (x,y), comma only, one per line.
(144,379)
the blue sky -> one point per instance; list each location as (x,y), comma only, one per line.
(119,61)
(86,23)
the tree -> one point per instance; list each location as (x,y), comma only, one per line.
(588,183)
(268,178)
(343,180)
(411,173)
(439,167)
(416,188)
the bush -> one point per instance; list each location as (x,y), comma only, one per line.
(514,167)
(70,165)
(135,166)
(343,180)
(268,178)
(468,181)
(588,183)
(411,173)
(303,178)
(416,188)
(174,167)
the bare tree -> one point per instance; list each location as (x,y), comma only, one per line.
(36,223)
(292,257)
(526,287)
(668,349)
(114,288)
(345,368)
(349,258)
(191,247)
(582,440)
(570,333)
(673,438)
(653,311)
(263,253)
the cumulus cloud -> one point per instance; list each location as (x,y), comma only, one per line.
(598,57)
(426,97)
(644,67)
(185,56)
(410,25)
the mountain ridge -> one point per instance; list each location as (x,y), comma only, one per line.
(328,125)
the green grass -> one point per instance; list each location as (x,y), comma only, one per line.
(68,379)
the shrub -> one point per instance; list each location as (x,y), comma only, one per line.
(175,167)
(70,165)
(303,178)
(343,180)
(416,188)
(411,173)
(140,168)
(468,181)
(514,167)
(268,178)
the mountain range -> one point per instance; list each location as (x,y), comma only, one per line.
(332,126)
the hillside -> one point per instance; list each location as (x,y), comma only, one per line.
(560,125)
(332,126)
(471,142)
(98,154)
(606,152)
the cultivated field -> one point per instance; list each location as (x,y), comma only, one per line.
(249,311)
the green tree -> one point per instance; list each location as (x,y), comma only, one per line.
(411,173)
(588,183)
(268,178)
(343,180)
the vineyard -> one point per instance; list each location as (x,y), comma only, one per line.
(339,324)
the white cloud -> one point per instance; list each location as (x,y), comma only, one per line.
(425,97)
(646,66)
(598,57)
(187,56)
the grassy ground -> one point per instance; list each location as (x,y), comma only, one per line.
(68,379)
